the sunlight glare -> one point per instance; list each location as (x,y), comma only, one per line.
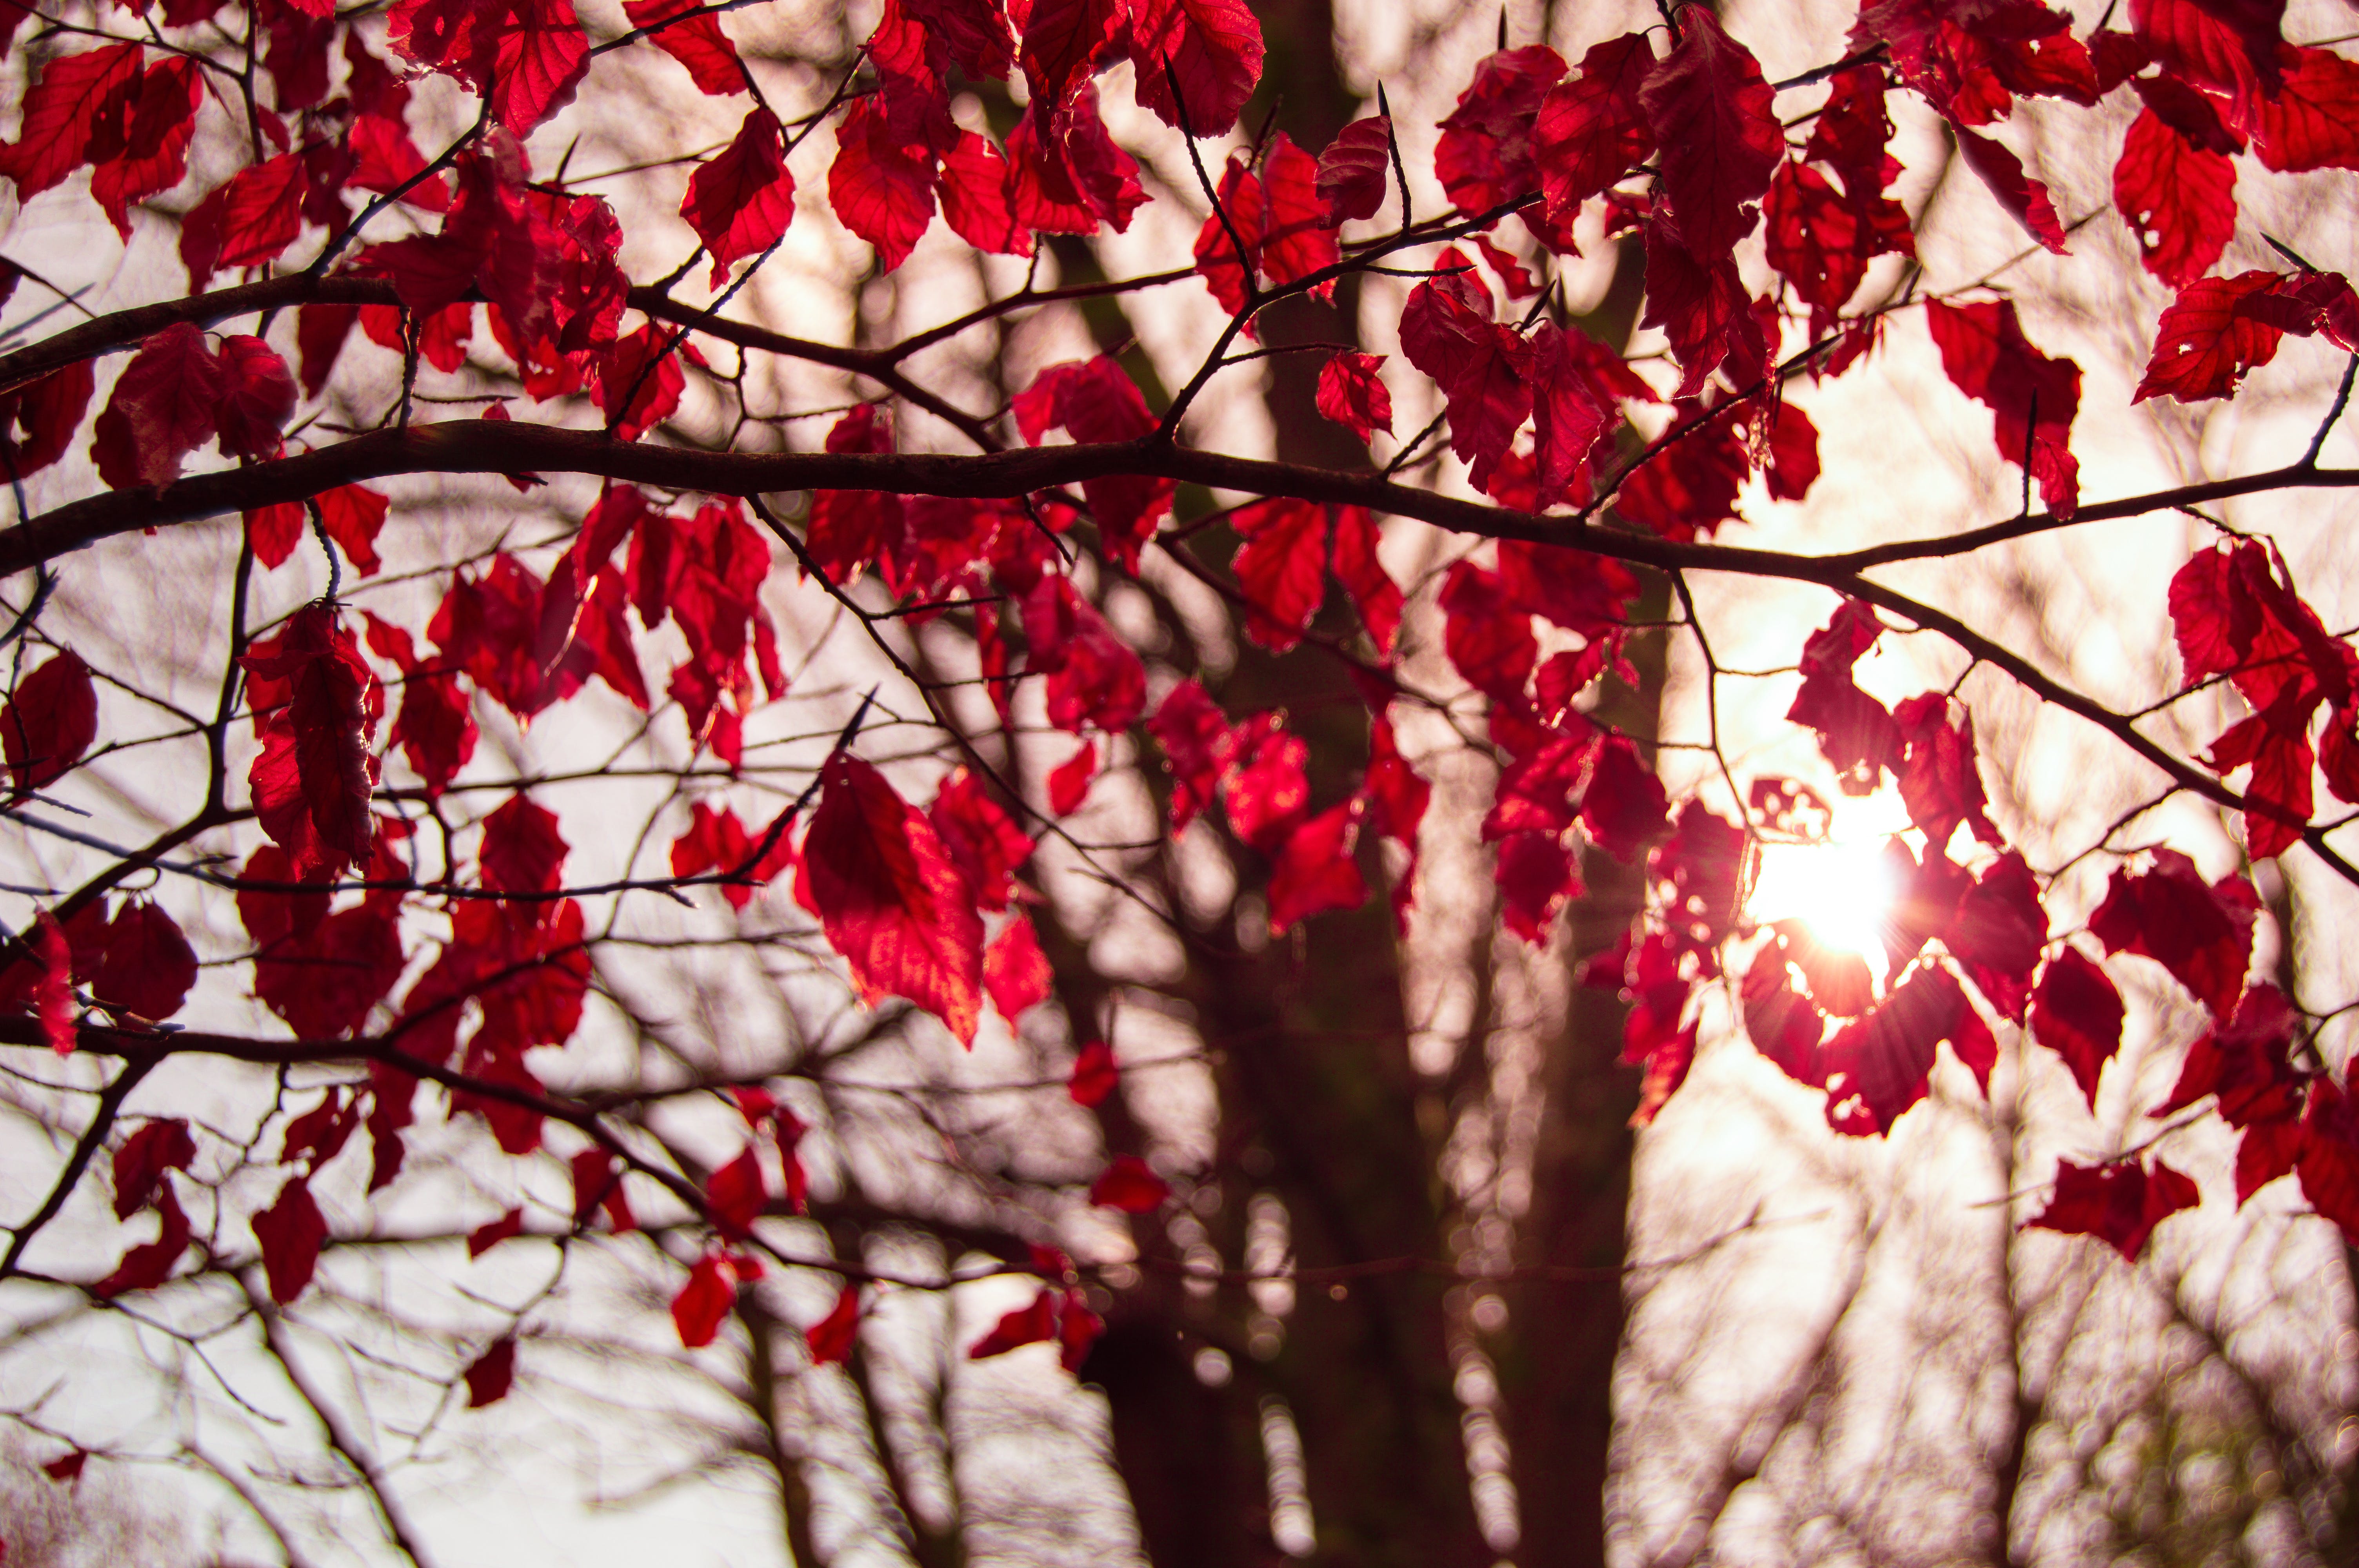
(1844,893)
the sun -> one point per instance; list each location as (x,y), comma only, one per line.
(1843,892)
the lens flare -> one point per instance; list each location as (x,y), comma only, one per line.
(1843,892)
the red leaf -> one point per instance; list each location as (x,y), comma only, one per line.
(1094,1075)
(1282,568)
(1535,793)
(1068,175)
(435,730)
(1855,732)
(1197,746)
(1068,781)
(2033,398)
(1513,278)
(257,398)
(2205,344)
(484,1237)
(245,222)
(598,1184)
(1033,1325)
(154,156)
(977,199)
(890,900)
(1782,1025)
(851,528)
(1015,972)
(320,1134)
(2329,1154)
(830,1339)
(1940,772)
(2025,198)
(1265,790)
(1373,593)
(740,201)
(883,191)
(1488,643)
(1998,932)
(1095,678)
(1127,1184)
(38,422)
(1095,401)
(2178,198)
(981,839)
(1062,38)
(386,161)
(48,723)
(522,851)
(53,997)
(1537,877)
(146,1266)
(2307,304)
(976,32)
(2077,1013)
(1793,454)
(736,1194)
(1592,128)
(2223,44)
(1351,395)
(717,841)
(2121,1203)
(80,98)
(1567,415)
(290,1231)
(2202,935)
(644,367)
(1316,871)
(1243,218)
(1213,49)
(275,531)
(148,967)
(1822,239)
(1700,302)
(696,42)
(67,1468)
(320,334)
(1876,1068)
(1297,241)
(2277,797)
(312,780)
(2311,123)
(1397,796)
(162,408)
(145,1156)
(1484,157)
(490,1375)
(2268,1150)
(705,1299)
(1483,368)
(1624,807)
(1355,170)
(1710,112)
(352,515)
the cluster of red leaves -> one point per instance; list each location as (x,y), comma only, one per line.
(1685,148)
(2237,618)
(900,155)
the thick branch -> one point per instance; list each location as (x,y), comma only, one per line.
(484,446)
